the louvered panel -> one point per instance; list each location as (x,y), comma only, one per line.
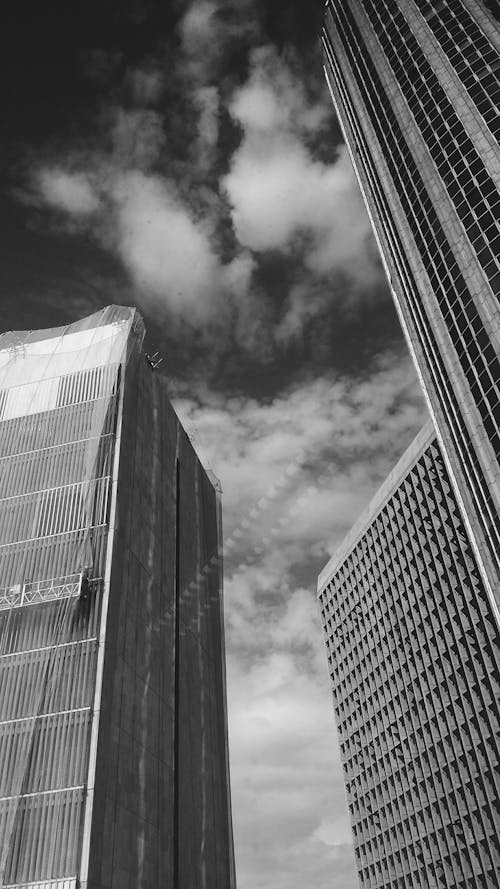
(97,382)
(73,423)
(46,835)
(53,556)
(54,511)
(47,681)
(53,751)
(61,464)
(32,626)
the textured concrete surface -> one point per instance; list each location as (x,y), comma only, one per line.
(161,813)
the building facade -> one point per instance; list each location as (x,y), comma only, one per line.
(113,732)
(414,652)
(417,91)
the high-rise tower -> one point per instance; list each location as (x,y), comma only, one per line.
(414,652)
(410,603)
(416,87)
(113,747)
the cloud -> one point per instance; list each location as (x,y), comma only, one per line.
(274,98)
(70,192)
(296,471)
(207,29)
(145,85)
(167,252)
(350,429)
(198,26)
(137,138)
(194,240)
(282,197)
(207,102)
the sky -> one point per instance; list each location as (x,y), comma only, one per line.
(185,158)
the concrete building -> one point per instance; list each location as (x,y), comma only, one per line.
(113,736)
(417,91)
(414,654)
(410,603)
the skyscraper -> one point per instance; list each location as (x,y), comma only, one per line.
(113,736)
(416,87)
(414,647)
(410,603)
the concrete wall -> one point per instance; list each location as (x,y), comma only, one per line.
(161,814)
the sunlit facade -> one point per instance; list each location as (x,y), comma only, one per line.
(417,91)
(414,654)
(113,744)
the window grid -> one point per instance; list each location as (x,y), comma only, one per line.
(374,595)
(436,582)
(471,54)
(401,587)
(486,510)
(472,345)
(463,172)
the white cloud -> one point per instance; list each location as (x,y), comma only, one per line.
(274,99)
(333,832)
(238,274)
(330,423)
(279,192)
(167,252)
(207,101)
(207,28)
(296,473)
(71,192)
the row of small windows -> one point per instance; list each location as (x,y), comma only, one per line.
(448,823)
(462,170)
(472,55)
(446,275)
(452,820)
(420,727)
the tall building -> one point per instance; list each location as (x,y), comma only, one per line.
(410,603)
(414,651)
(113,738)
(417,91)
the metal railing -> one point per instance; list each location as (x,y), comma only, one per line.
(34,592)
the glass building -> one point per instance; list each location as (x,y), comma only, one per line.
(113,731)
(417,91)
(414,651)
